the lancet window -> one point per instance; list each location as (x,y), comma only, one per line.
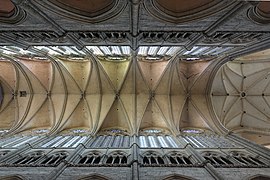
(208,141)
(65,141)
(156,138)
(18,141)
(114,141)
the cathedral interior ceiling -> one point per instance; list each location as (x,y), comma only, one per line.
(97,94)
(175,75)
(240,96)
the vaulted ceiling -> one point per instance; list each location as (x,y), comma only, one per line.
(186,66)
(97,94)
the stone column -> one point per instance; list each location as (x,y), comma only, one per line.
(134,156)
(210,168)
(62,166)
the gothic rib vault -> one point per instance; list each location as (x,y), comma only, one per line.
(97,94)
(191,89)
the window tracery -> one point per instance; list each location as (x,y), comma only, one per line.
(91,158)
(234,159)
(156,138)
(65,141)
(55,159)
(217,159)
(117,158)
(30,158)
(177,158)
(114,132)
(153,141)
(208,141)
(115,141)
(152,158)
(153,131)
(245,159)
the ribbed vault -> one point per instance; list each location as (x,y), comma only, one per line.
(60,94)
(241,96)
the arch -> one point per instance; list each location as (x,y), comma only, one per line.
(92,157)
(88,11)
(227,98)
(217,159)
(259,177)
(178,158)
(55,158)
(260,13)
(182,11)
(94,176)
(113,141)
(152,158)
(177,177)
(29,158)
(10,13)
(13,177)
(247,159)
(117,157)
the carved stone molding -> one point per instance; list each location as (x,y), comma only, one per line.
(17,16)
(36,37)
(80,13)
(234,37)
(169,37)
(260,13)
(179,12)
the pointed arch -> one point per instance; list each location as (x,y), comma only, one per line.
(259,177)
(13,177)
(177,177)
(94,176)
